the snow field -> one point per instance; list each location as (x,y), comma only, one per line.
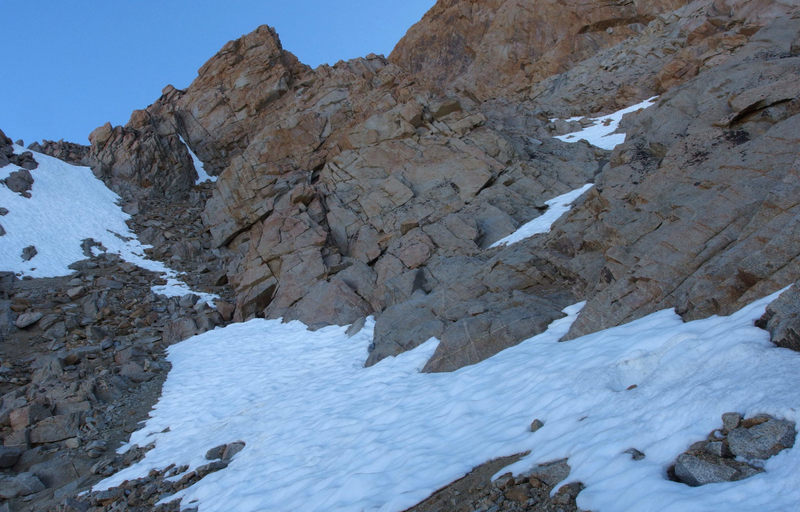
(601,132)
(556,207)
(68,204)
(325,433)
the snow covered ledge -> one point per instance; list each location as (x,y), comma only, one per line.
(556,207)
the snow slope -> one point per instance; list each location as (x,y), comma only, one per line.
(324,433)
(601,132)
(556,207)
(68,204)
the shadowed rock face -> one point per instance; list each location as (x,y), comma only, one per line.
(375,186)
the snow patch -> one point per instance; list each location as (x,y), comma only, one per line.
(202,175)
(324,433)
(68,204)
(601,132)
(556,207)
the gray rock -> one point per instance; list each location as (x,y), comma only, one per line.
(635,454)
(782,319)
(356,326)
(22,484)
(9,456)
(763,440)
(394,334)
(536,425)
(19,181)
(29,252)
(551,472)
(694,471)
(731,420)
(96,448)
(718,448)
(28,319)
(232,449)
(55,428)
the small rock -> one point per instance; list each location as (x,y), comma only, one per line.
(731,420)
(54,428)
(505,481)
(28,319)
(29,252)
(550,473)
(763,440)
(518,493)
(718,448)
(22,484)
(72,443)
(356,326)
(216,452)
(103,467)
(232,449)
(96,448)
(225,309)
(536,425)
(635,454)
(19,181)
(694,471)
(76,292)
(9,456)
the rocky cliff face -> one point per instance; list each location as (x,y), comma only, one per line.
(375,186)
(501,48)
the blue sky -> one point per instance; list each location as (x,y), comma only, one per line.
(71,66)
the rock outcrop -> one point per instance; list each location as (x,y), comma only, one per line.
(375,186)
(70,152)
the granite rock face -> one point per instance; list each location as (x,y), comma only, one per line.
(499,47)
(375,186)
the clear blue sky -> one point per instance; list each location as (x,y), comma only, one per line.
(70,66)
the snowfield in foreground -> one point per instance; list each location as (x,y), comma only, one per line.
(324,433)
(601,132)
(68,204)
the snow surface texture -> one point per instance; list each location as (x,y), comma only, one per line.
(556,207)
(202,175)
(68,204)
(324,433)
(601,132)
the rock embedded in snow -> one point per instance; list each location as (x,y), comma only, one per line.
(762,441)
(29,252)
(550,473)
(731,420)
(720,458)
(782,319)
(20,182)
(694,471)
